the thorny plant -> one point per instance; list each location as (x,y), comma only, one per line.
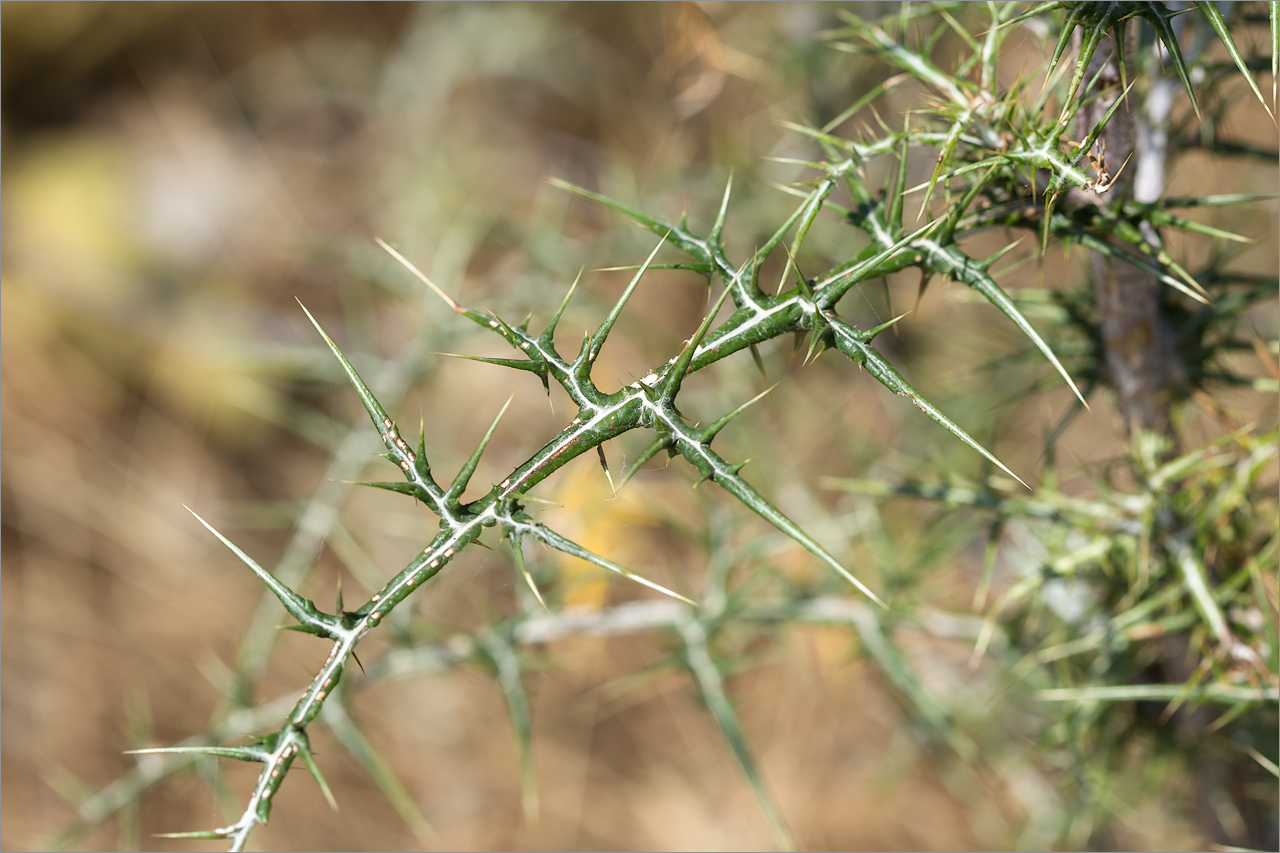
(1186,554)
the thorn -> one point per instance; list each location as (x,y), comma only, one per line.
(923,286)
(817,344)
(791,264)
(742,490)
(675,373)
(597,339)
(796,340)
(1120,171)
(308,758)
(549,332)
(710,432)
(536,593)
(555,540)
(878,329)
(755,356)
(604,463)
(514,541)
(357,660)
(315,323)
(718,227)
(298,607)
(988,263)
(659,444)
(527,498)
(417,272)
(459,484)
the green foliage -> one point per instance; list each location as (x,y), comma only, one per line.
(1168,545)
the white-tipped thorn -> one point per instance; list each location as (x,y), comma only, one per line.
(420,275)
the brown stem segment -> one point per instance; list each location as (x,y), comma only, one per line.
(1143,366)
(1137,342)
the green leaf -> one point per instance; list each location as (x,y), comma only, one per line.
(1091,137)
(810,213)
(657,226)
(1223,200)
(1064,38)
(1266,763)
(705,270)
(1130,234)
(1169,220)
(826,139)
(959,30)
(1035,12)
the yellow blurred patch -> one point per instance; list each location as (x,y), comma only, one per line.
(69,218)
(618,528)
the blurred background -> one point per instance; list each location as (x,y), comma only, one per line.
(176,175)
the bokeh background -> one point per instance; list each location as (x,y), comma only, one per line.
(176,175)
